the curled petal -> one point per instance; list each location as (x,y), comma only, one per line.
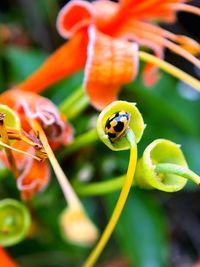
(32,106)
(104,13)
(111,62)
(65,138)
(160,151)
(74,16)
(34,178)
(129,31)
(34,175)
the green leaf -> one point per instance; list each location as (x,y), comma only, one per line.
(141,230)
(22,62)
(163,106)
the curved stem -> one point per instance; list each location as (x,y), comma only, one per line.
(172,70)
(120,203)
(184,172)
(66,187)
(76,109)
(99,188)
(74,104)
(115,184)
(81,141)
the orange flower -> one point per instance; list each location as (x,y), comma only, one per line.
(30,105)
(5,260)
(34,175)
(104,36)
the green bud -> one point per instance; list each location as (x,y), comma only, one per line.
(14,222)
(136,124)
(158,152)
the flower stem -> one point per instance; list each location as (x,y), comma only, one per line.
(81,141)
(66,187)
(172,70)
(120,203)
(115,184)
(99,188)
(75,104)
(184,172)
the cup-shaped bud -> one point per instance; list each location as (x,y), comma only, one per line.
(14,222)
(11,119)
(158,152)
(77,228)
(115,120)
(8,119)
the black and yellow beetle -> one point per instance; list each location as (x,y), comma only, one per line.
(116,125)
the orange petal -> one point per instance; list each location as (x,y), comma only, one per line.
(33,106)
(34,175)
(65,61)
(143,9)
(111,63)
(34,178)
(74,16)
(150,73)
(104,13)
(19,157)
(5,260)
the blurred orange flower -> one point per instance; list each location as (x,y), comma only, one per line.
(5,260)
(104,37)
(34,175)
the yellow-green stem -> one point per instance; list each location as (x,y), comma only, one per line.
(99,188)
(115,184)
(74,104)
(81,141)
(119,206)
(172,70)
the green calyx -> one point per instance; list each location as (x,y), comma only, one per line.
(14,222)
(159,155)
(11,119)
(136,124)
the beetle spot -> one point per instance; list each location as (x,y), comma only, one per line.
(119,127)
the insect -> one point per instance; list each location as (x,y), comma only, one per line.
(116,125)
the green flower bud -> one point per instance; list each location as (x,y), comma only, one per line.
(11,119)
(133,120)
(14,222)
(159,152)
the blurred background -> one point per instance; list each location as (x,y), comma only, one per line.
(156,229)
